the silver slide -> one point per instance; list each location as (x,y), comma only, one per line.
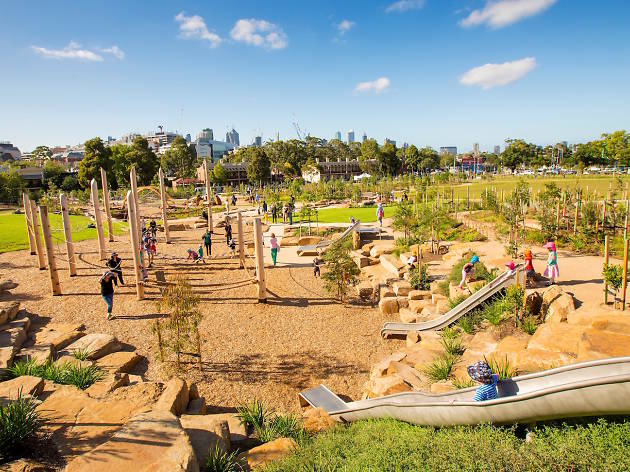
(502,281)
(593,388)
(321,246)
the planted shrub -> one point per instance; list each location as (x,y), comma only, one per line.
(463,383)
(269,426)
(440,368)
(453,345)
(529,325)
(220,461)
(69,373)
(18,422)
(501,367)
(81,354)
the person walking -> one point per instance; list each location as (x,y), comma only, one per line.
(274,213)
(552,271)
(207,242)
(228,230)
(273,242)
(114,264)
(316,271)
(290,214)
(107,291)
(380,214)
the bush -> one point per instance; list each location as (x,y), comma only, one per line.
(221,461)
(453,345)
(460,383)
(253,414)
(501,367)
(481,271)
(18,422)
(440,368)
(269,426)
(69,373)
(419,280)
(469,322)
(529,325)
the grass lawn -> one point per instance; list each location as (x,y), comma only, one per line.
(342,215)
(13,235)
(507,184)
(388,445)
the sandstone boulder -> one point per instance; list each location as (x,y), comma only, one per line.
(388,306)
(149,441)
(316,420)
(118,362)
(556,304)
(196,406)
(378,250)
(11,340)
(409,374)
(262,455)
(443,386)
(535,360)
(510,347)
(436,297)
(419,295)
(395,266)
(8,311)
(381,386)
(557,337)
(364,290)
(238,433)
(533,304)
(403,302)
(107,384)
(40,353)
(402,288)
(407,316)
(25,385)
(309,240)
(418,305)
(58,335)
(96,345)
(205,434)
(174,398)
(413,337)
(386,292)
(380,368)
(599,344)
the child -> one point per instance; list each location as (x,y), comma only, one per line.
(481,372)
(467,271)
(316,263)
(107,291)
(192,255)
(380,214)
(511,266)
(529,267)
(273,242)
(232,246)
(200,255)
(552,270)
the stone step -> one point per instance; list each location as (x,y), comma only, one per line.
(392,264)
(206,433)
(8,311)
(39,353)
(58,335)
(149,441)
(174,398)
(118,362)
(96,345)
(12,336)
(26,386)
(258,457)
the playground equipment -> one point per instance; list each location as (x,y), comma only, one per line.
(163,200)
(108,213)
(97,219)
(593,388)
(67,231)
(50,250)
(321,247)
(135,244)
(501,282)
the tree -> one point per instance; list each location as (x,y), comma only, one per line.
(138,155)
(42,152)
(389,163)
(411,157)
(428,159)
(179,160)
(219,173)
(341,271)
(53,173)
(369,157)
(96,155)
(588,154)
(617,146)
(69,183)
(11,186)
(259,167)
(404,218)
(517,152)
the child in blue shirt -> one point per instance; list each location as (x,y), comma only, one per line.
(481,372)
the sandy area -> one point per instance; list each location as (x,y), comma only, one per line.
(300,338)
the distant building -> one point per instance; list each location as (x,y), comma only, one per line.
(236,173)
(188,138)
(161,140)
(390,141)
(324,171)
(565,144)
(452,150)
(232,137)
(69,156)
(258,141)
(350,136)
(9,152)
(338,135)
(34,176)
(205,134)
(364,137)
(476,149)
(497,150)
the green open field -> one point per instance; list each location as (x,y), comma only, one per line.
(507,184)
(342,215)
(388,445)
(13,235)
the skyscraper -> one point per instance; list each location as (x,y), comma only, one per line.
(452,150)
(390,141)
(258,141)
(497,150)
(350,136)
(232,137)
(338,135)
(206,134)
(364,138)
(476,149)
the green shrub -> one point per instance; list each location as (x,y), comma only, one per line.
(453,302)
(81,376)
(501,367)
(453,345)
(493,312)
(81,354)
(69,373)
(460,383)
(254,414)
(440,368)
(450,333)
(481,271)
(18,422)
(220,461)
(419,279)
(469,322)
(529,325)
(445,287)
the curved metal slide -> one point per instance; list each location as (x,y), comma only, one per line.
(321,246)
(594,388)
(502,281)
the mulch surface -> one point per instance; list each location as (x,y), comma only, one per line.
(298,339)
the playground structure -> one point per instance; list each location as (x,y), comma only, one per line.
(321,247)
(593,388)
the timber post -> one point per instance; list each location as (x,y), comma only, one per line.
(38,237)
(135,245)
(164,212)
(29,223)
(260,261)
(108,213)
(50,251)
(67,232)
(97,220)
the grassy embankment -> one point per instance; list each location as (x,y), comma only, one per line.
(13,235)
(389,445)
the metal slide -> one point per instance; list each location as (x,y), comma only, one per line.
(593,388)
(502,281)
(315,248)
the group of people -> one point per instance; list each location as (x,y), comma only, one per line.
(552,271)
(286,211)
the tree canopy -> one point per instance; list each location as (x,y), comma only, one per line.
(138,155)
(96,155)
(180,160)
(259,165)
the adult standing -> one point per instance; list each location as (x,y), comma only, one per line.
(228,230)
(273,242)
(290,213)
(114,263)
(107,291)
(274,213)
(207,242)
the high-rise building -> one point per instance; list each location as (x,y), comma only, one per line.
(452,150)
(188,138)
(476,149)
(497,150)
(258,141)
(206,134)
(390,141)
(232,137)
(364,138)
(350,136)
(338,135)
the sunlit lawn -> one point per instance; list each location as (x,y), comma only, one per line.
(13,235)
(342,215)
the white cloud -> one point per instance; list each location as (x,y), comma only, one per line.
(405,5)
(496,75)
(114,51)
(498,14)
(194,27)
(72,51)
(345,26)
(379,85)
(259,33)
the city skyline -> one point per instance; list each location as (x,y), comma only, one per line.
(447,73)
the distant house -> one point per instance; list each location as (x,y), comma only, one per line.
(34,176)
(185,183)
(325,171)
(8,152)
(236,173)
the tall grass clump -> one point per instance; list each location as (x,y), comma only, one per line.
(268,425)
(18,422)
(219,460)
(529,325)
(440,368)
(501,367)
(69,373)
(453,345)
(463,383)
(253,414)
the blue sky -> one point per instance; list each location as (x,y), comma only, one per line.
(432,72)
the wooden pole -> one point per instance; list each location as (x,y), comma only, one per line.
(260,261)
(208,194)
(50,251)
(67,231)
(28,219)
(606,256)
(108,214)
(38,237)
(558,215)
(134,200)
(468,198)
(97,219)
(135,244)
(241,239)
(625,272)
(625,225)
(164,212)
